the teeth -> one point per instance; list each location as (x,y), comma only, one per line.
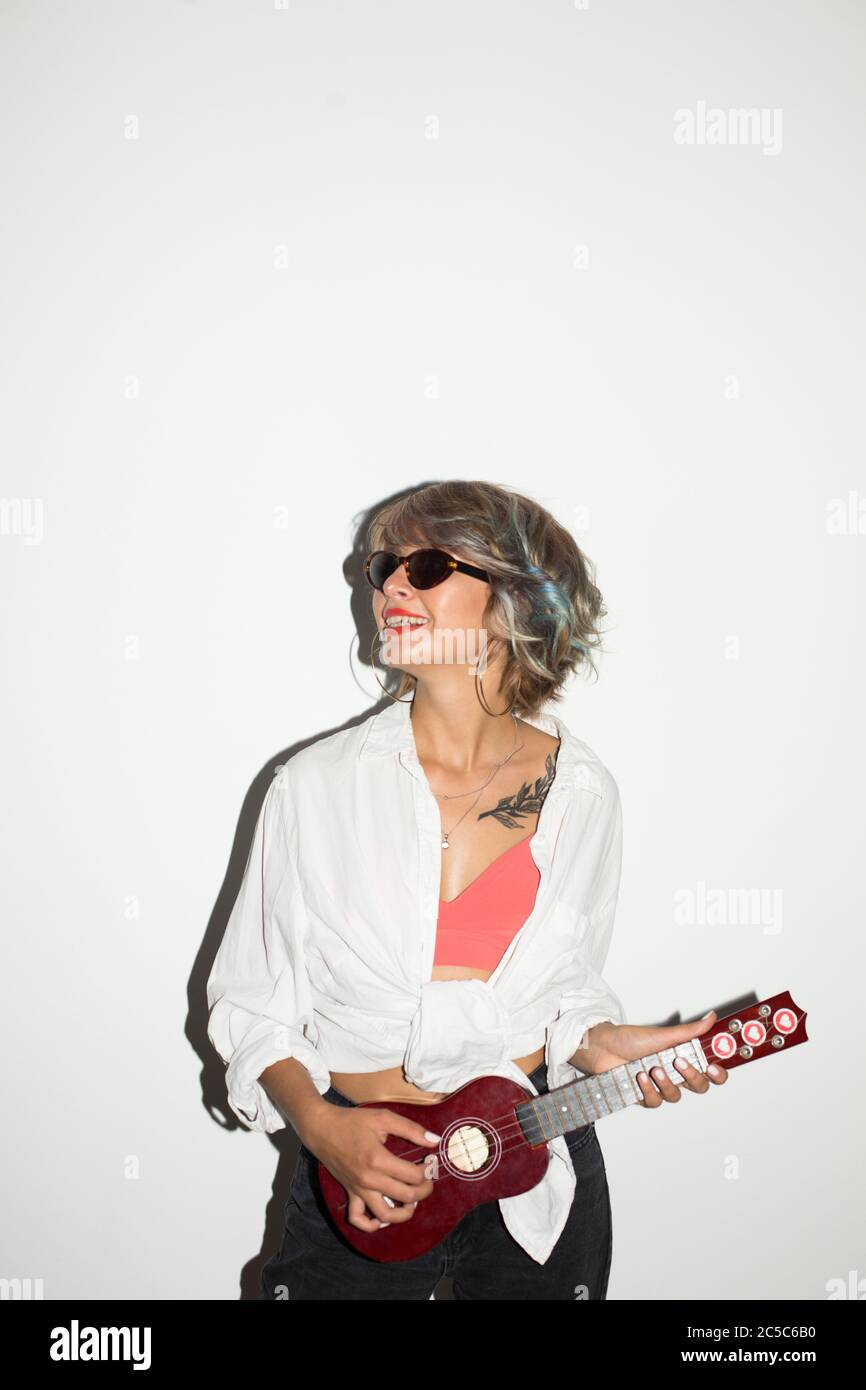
(400,621)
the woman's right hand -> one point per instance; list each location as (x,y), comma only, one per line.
(351,1144)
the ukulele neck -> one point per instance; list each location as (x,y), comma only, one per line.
(754,1031)
(593,1097)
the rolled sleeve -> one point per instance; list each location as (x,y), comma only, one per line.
(258,994)
(588,998)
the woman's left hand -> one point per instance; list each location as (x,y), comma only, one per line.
(611,1044)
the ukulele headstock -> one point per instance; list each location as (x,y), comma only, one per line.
(774,1025)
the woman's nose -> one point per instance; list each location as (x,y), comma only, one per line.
(397,583)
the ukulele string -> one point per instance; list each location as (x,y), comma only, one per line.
(521,1137)
(533,1135)
(535,1130)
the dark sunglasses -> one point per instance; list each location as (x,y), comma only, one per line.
(424,568)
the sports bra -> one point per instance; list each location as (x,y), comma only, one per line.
(476,928)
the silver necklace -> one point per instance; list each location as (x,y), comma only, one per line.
(455,796)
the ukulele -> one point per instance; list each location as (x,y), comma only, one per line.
(495,1141)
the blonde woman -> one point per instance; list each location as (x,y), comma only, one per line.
(429,899)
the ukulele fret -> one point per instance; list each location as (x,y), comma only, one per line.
(565,1117)
(631,1070)
(546,1114)
(609,1091)
(615,1079)
(569,1099)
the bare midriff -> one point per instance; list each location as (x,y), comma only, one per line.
(391,1084)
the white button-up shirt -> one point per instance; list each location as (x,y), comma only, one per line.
(328,953)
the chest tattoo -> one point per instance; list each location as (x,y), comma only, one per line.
(512,810)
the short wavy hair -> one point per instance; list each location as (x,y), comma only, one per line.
(544,595)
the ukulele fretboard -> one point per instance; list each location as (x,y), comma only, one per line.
(592,1097)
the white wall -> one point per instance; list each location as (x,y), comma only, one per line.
(260,258)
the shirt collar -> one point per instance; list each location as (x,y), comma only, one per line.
(389,733)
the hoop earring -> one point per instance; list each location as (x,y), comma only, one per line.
(479,687)
(395,698)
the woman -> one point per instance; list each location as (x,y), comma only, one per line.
(430,898)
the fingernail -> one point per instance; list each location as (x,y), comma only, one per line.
(434,1138)
(707,1014)
(714,1070)
(384,1223)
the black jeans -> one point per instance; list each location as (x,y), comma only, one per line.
(480,1255)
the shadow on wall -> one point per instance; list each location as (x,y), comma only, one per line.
(213,1087)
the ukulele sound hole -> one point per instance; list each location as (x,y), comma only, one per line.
(470,1148)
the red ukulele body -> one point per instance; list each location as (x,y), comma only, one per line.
(482,1156)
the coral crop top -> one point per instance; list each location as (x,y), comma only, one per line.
(476,928)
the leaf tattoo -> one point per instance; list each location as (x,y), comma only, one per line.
(526,802)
